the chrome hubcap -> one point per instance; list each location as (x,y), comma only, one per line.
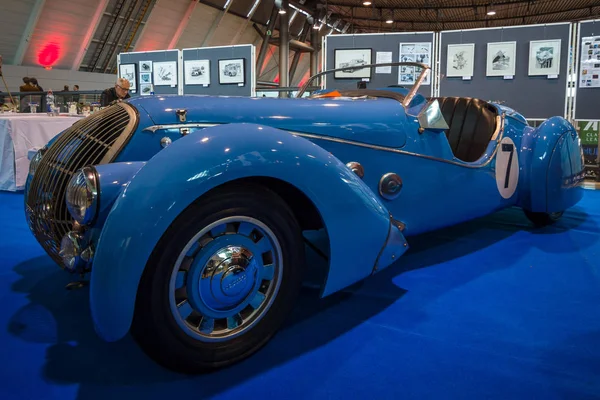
(225,279)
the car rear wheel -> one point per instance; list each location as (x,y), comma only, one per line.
(541,219)
(221,281)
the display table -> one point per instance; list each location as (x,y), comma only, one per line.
(20,133)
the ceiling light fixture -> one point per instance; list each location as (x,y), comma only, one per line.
(492,12)
(281,11)
(367,3)
(389,21)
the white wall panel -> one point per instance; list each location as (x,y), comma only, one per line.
(13,20)
(162,24)
(198,26)
(55,79)
(62,26)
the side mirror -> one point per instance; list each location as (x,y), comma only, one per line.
(431,118)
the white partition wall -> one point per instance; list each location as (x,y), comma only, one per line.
(530,73)
(339,50)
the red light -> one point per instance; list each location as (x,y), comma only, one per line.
(49,54)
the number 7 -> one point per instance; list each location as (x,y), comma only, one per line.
(508,147)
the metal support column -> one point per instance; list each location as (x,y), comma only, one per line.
(265,44)
(305,32)
(314,55)
(284,48)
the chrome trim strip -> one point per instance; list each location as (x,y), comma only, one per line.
(393,150)
(359,144)
(499,124)
(155,128)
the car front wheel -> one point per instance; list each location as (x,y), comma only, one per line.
(221,280)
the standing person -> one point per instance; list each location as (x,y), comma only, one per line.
(76,96)
(34,83)
(119,92)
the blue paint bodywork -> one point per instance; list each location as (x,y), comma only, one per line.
(306,143)
(195,164)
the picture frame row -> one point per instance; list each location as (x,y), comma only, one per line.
(501,58)
(544,60)
(346,59)
(232,71)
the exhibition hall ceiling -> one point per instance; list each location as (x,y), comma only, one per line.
(87,36)
(425,15)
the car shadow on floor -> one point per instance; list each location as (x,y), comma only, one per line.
(75,355)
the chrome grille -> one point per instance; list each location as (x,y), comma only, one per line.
(97,139)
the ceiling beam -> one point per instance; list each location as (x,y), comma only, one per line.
(34,16)
(85,43)
(216,24)
(240,31)
(183,24)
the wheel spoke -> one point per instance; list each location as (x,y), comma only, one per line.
(185,309)
(234,322)
(264,245)
(191,253)
(257,300)
(217,231)
(186,263)
(245,229)
(268,272)
(180,279)
(207,325)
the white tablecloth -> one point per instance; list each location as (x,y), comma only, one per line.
(18,134)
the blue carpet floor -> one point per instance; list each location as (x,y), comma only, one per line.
(490,309)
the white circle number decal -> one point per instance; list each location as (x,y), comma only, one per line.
(507,168)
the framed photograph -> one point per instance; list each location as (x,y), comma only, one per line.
(145,66)
(419,52)
(501,59)
(145,89)
(544,57)
(145,77)
(460,60)
(165,73)
(196,72)
(232,71)
(346,58)
(128,72)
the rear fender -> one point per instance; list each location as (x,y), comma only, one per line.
(357,223)
(552,167)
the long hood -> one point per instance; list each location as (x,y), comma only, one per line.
(378,121)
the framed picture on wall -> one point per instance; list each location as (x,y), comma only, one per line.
(501,59)
(145,66)
(347,58)
(460,60)
(231,71)
(544,57)
(414,52)
(128,72)
(165,73)
(196,72)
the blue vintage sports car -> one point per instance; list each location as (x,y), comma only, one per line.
(190,212)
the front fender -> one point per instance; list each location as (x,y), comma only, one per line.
(357,223)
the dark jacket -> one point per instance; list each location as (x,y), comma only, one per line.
(109,95)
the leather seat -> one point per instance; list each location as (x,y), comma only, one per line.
(472,124)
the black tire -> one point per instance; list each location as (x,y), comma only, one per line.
(155,327)
(541,219)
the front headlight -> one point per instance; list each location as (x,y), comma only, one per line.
(82,195)
(35,161)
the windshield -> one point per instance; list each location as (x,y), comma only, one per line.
(425,69)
